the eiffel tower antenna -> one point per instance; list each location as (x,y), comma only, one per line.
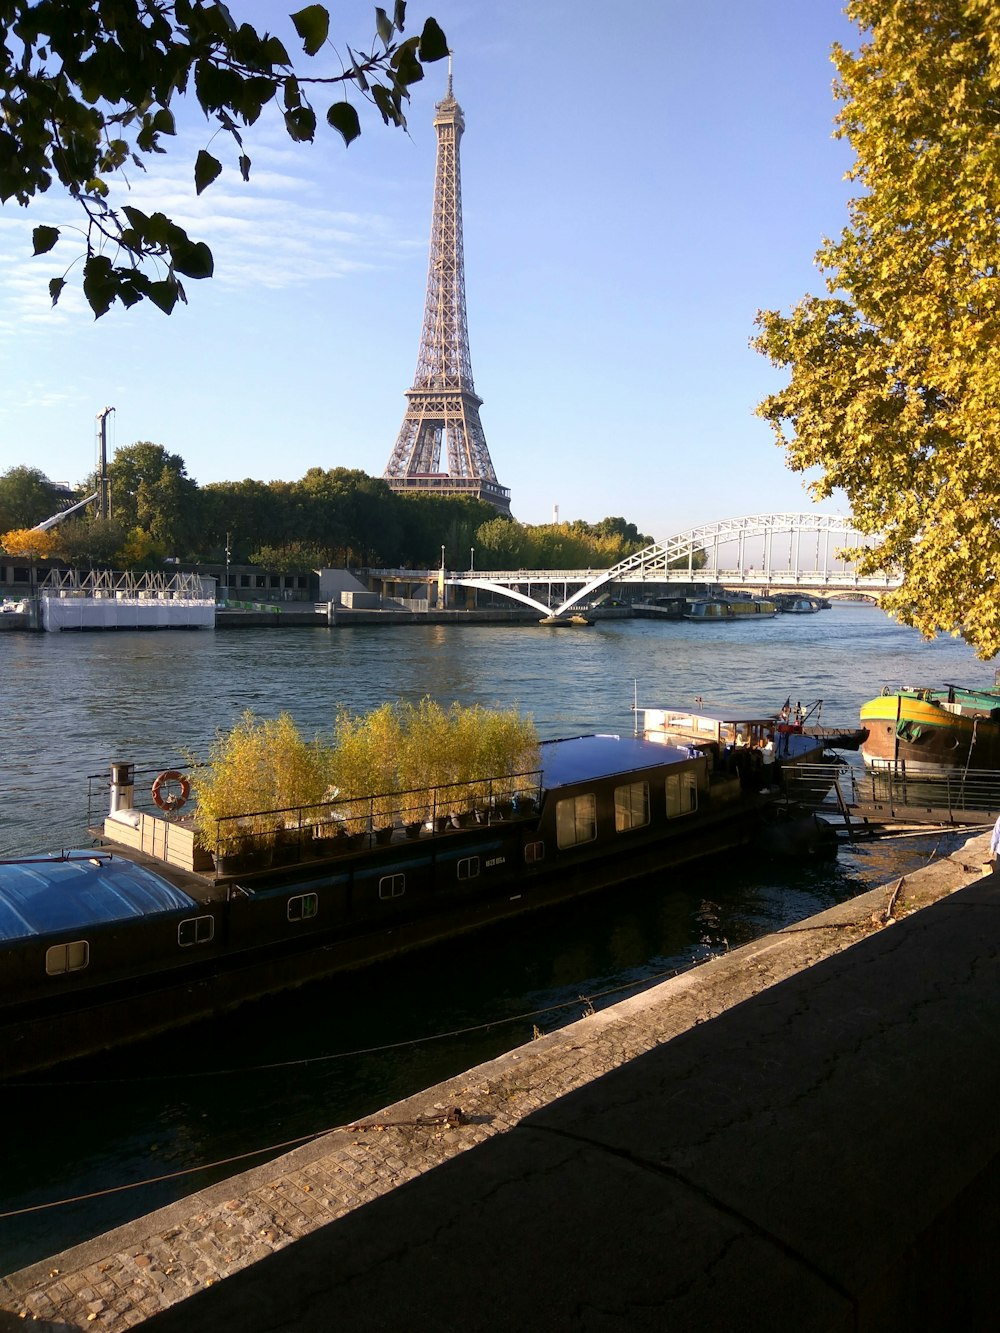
(442,410)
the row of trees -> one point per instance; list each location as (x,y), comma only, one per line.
(332,517)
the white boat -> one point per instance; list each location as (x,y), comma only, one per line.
(775,737)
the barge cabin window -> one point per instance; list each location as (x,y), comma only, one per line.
(631,806)
(392,886)
(576,820)
(534,851)
(468,867)
(682,794)
(303,907)
(196,930)
(71,957)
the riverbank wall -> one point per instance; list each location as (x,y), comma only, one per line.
(299,615)
(289,617)
(800,1134)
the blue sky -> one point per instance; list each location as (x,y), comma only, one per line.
(636,184)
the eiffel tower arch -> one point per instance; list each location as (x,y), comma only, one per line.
(441,447)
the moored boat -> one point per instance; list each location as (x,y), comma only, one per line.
(796,604)
(932,729)
(729,608)
(147,930)
(661,608)
(767,738)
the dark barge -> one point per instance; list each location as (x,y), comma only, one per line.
(144,931)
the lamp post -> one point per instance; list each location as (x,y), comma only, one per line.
(472,559)
(441,579)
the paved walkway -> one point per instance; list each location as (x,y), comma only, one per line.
(640,1168)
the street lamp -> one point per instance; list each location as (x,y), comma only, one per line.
(442,557)
(472,559)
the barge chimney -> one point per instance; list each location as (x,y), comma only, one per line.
(122,784)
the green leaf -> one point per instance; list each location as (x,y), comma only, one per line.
(386,103)
(275,52)
(244,166)
(399,14)
(408,68)
(164,294)
(130,293)
(313,26)
(44,238)
(252,97)
(100,284)
(206,168)
(300,122)
(433,42)
(55,288)
(138,219)
(343,118)
(383,26)
(193,259)
(357,73)
(156,227)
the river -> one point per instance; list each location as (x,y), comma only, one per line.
(173,1115)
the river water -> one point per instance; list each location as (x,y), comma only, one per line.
(172,1115)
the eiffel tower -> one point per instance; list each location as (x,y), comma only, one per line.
(442,406)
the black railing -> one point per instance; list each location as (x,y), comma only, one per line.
(946,795)
(99,791)
(266,838)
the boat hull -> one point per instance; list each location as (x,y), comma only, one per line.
(926,732)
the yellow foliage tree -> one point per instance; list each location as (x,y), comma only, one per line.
(895,372)
(29,543)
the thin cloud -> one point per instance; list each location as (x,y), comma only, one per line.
(274,230)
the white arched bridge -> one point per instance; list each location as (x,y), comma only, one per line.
(762,552)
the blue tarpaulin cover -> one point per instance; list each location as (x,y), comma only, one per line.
(77,890)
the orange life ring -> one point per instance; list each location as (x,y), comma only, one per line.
(171,800)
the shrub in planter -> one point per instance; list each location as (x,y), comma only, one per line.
(264,784)
(423,729)
(231,788)
(362,767)
(260,777)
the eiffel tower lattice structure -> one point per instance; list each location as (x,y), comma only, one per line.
(442,411)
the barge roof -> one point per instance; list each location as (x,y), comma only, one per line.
(583,758)
(77,889)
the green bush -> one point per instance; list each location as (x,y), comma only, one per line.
(398,763)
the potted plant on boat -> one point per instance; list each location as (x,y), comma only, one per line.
(233,791)
(423,740)
(259,790)
(363,766)
(298,781)
(415,795)
(507,747)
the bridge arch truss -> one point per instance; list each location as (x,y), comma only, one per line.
(760,551)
